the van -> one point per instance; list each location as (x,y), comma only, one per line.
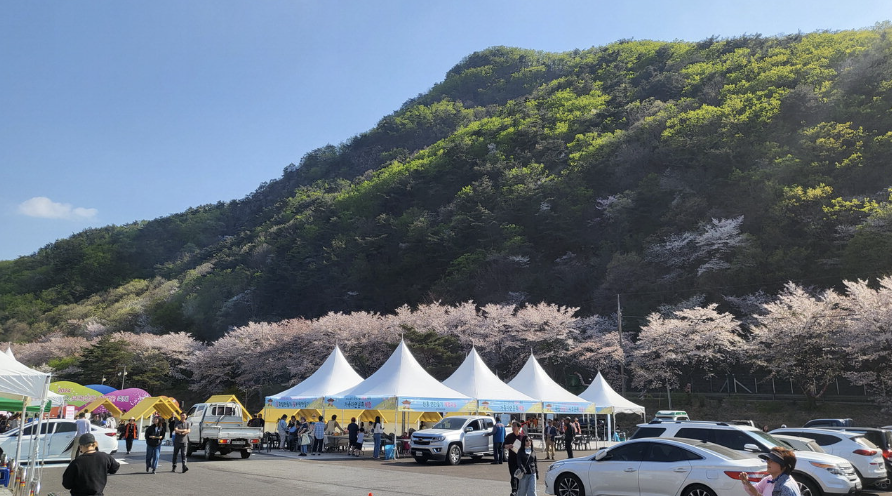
(671,415)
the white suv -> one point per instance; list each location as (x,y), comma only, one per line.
(816,473)
(853,446)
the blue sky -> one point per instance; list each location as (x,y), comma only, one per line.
(118,111)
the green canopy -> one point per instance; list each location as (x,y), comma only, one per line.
(9,405)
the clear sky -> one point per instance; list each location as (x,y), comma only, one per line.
(117,111)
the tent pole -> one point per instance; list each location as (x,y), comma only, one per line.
(22,419)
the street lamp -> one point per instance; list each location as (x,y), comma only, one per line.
(103,380)
(123,375)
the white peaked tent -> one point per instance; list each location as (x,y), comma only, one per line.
(601,394)
(534,381)
(334,375)
(473,378)
(401,384)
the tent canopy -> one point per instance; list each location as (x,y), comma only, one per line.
(473,378)
(535,382)
(601,394)
(162,405)
(9,405)
(402,384)
(105,403)
(333,376)
(18,381)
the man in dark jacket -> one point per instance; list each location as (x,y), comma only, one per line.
(88,473)
(569,435)
(514,442)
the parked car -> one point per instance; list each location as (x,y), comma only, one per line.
(672,415)
(55,439)
(846,422)
(800,443)
(854,447)
(881,437)
(816,473)
(453,437)
(656,467)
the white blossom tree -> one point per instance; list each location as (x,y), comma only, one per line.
(598,349)
(800,338)
(699,338)
(869,336)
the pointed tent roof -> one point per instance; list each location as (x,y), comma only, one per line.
(333,376)
(473,378)
(104,402)
(535,382)
(601,394)
(18,381)
(403,381)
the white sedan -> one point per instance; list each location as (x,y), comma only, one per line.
(55,440)
(655,467)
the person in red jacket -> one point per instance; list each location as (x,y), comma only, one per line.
(131,432)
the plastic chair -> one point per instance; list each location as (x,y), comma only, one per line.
(4,476)
(389,452)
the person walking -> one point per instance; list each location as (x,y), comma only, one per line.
(131,433)
(549,434)
(780,465)
(171,425)
(180,441)
(352,433)
(514,442)
(569,436)
(154,435)
(527,468)
(83,427)
(88,473)
(377,432)
(319,436)
(498,442)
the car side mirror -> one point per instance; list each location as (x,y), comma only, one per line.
(469,429)
(752,448)
(602,455)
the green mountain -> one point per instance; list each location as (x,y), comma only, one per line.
(653,169)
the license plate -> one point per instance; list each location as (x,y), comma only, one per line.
(419,453)
(238,443)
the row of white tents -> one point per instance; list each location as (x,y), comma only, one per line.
(402,385)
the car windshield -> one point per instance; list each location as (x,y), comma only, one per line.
(450,423)
(769,440)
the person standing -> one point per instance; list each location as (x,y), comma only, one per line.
(319,436)
(527,463)
(569,436)
(498,442)
(352,433)
(83,427)
(514,442)
(154,435)
(181,441)
(780,465)
(548,435)
(88,473)
(377,432)
(171,424)
(282,431)
(131,432)
(303,434)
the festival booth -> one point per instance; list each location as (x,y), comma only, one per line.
(473,378)
(102,404)
(306,399)
(23,384)
(400,386)
(611,402)
(147,407)
(75,394)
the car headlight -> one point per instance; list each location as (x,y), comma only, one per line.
(553,466)
(439,438)
(830,467)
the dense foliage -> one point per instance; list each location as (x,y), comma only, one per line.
(657,170)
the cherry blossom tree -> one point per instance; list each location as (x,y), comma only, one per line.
(699,338)
(708,249)
(597,348)
(869,336)
(800,338)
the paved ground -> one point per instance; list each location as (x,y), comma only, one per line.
(285,473)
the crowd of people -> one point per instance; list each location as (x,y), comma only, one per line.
(312,437)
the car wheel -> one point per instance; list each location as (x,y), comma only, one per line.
(246,453)
(189,449)
(698,490)
(453,456)
(208,449)
(806,486)
(420,459)
(568,485)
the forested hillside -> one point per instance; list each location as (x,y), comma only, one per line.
(658,170)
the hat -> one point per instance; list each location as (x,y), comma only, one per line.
(774,457)
(86,439)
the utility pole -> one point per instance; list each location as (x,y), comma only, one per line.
(619,328)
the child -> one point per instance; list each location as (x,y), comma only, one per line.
(360,437)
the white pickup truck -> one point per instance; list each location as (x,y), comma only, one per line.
(220,427)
